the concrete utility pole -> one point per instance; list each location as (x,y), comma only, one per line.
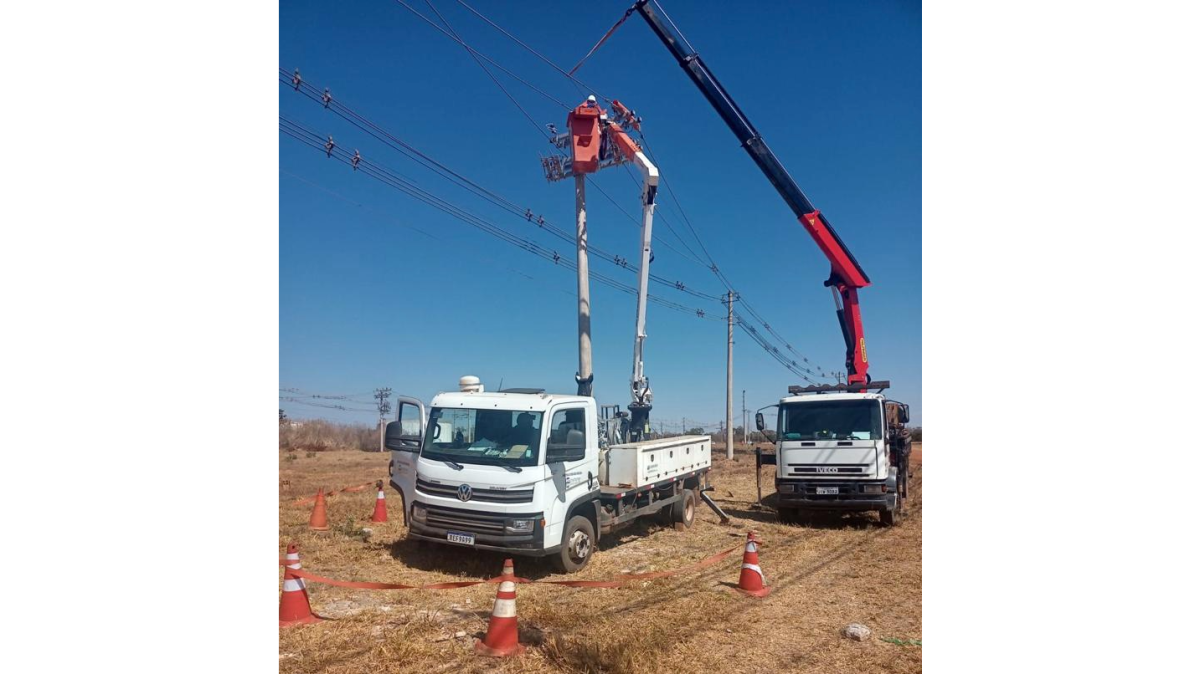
(584,377)
(382,395)
(729,385)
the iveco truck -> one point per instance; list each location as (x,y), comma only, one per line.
(526,472)
(838,448)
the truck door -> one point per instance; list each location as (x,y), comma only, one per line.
(404,437)
(572,457)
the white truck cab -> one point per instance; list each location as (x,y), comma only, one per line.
(522,471)
(835,450)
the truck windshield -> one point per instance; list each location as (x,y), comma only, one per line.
(489,437)
(831,420)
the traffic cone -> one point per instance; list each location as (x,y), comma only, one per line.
(293,558)
(752,582)
(501,639)
(380,514)
(317,521)
(293,603)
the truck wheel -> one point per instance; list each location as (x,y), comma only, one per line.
(683,511)
(579,541)
(665,516)
(788,516)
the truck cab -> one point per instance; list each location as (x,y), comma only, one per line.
(834,453)
(527,472)
(504,471)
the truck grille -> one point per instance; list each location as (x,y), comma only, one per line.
(469,521)
(481,495)
(829,469)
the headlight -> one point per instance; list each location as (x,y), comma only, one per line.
(519,526)
(418,512)
(872,489)
(787,487)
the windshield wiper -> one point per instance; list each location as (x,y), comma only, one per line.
(511,469)
(455,466)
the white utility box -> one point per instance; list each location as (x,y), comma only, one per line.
(638,464)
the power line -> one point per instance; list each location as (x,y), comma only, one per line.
(310,91)
(481,55)
(313,140)
(301,401)
(712,263)
(583,88)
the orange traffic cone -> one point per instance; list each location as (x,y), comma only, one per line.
(380,514)
(752,581)
(293,558)
(501,639)
(293,603)
(317,521)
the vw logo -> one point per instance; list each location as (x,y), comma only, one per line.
(464,492)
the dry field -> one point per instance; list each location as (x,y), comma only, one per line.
(825,575)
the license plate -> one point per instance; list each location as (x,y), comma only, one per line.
(455,537)
(827,490)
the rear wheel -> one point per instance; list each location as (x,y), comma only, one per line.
(579,541)
(683,511)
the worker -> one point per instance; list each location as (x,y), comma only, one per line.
(524,433)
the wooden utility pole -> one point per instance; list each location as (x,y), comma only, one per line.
(584,377)
(729,384)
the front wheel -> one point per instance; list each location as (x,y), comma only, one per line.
(579,541)
(889,518)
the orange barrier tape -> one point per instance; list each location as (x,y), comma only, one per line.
(617,582)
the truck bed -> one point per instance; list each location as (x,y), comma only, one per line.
(639,464)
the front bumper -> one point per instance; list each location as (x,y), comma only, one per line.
(850,496)
(440,520)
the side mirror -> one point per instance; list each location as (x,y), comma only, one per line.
(395,440)
(758,421)
(904,414)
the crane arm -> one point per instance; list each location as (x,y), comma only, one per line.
(846,275)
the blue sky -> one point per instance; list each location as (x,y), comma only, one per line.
(366,300)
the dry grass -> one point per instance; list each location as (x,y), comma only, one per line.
(318,435)
(825,576)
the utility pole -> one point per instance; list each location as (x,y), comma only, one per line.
(382,395)
(584,377)
(745,428)
(729,384)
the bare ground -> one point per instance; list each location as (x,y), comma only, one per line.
(825,575)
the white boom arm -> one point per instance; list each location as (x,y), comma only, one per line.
(639,385)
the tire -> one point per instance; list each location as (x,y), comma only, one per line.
(889,518)
(665,516)
(578,544)
(791,516)
(683,511)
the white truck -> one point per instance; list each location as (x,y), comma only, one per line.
(527,472)
(839,449)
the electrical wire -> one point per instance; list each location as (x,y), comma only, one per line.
(310,91)
(313,140)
